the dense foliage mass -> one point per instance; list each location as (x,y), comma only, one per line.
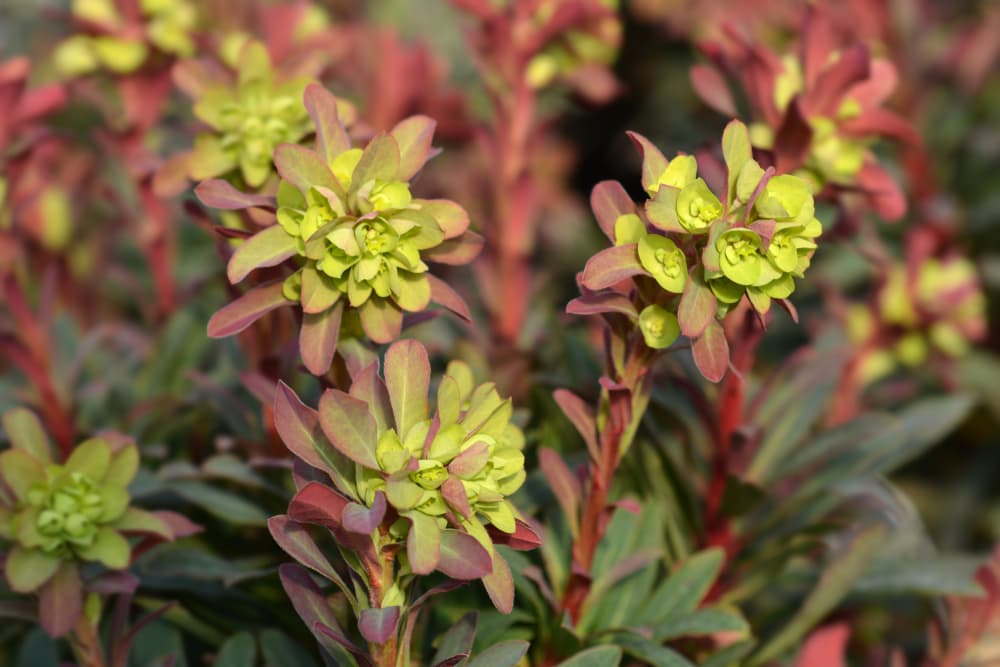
(313,352)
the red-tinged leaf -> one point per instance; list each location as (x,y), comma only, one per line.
(611,266)
(609,201)
(462,557)
(499,585)
(790,309)
(314,609)
(60,601)
(826,95)
(407,377)
(522,539)
(337,635)
(40,101)
(603,302)
(170,179)
(456,251)
(653,161)
(450,216)
(793,138)
(304,168)
(697,306)
(380,161)
(423,542)
(413,135)
(297,425)
(216,193)
(319,504)
(470,461)
(268,247)
(711,352)
(443,294)
(565,486)
(114,583)
(378,625)
(817,44)
(454,493)
(595,83)
(331,137)
(878,87)
(238,315)
(883,123)
(294,540)
(364,520)
(369,387)
(581,416)
(318,338)
(347,424)
(882,192)
(825,647)
(713,90)
(180,525)
(381,320)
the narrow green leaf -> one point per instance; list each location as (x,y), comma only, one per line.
(269,247)
(599,656)
(26,433)
(407,377)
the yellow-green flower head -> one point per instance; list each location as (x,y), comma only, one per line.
(358,240)
(120,46)
(664,261)
(248,120)
(69,512)
(659,327)
(697,207)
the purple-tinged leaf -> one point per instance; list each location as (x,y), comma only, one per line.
(238,315)
(407,377)
(378,625)
(216,193)
(381,319)
(826,95)
(318,504)
(337,635)
(313,608)
(347,424)
(379,162)
(318,338)
(60,601)
(364,520)
(713,89)
(462,557)
(294,540)
(331,137)
(423,543)
(601,303)
(882,192)
(369,387)
(611,266)
(455,252)
(457,641)
(454,493)
(450,216)
(114,583)
(793,138)
(565,486)
(609,201)
(138,521)
(304,168)
(524,537)
(711,352)
(653,162)
(268,247)
(413,135)
(581,415)
(789,308)
(443,294)
(471,461)
(697,306)
(180,525)
(661,210)
(881,122)
(297,425)
(499,584)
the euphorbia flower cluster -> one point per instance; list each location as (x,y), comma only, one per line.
(703,251)
(935,309)
(358,237)
(122,36)
(60,517)
(817,109)
(406,488)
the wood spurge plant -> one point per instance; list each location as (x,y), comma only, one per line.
(682,407)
